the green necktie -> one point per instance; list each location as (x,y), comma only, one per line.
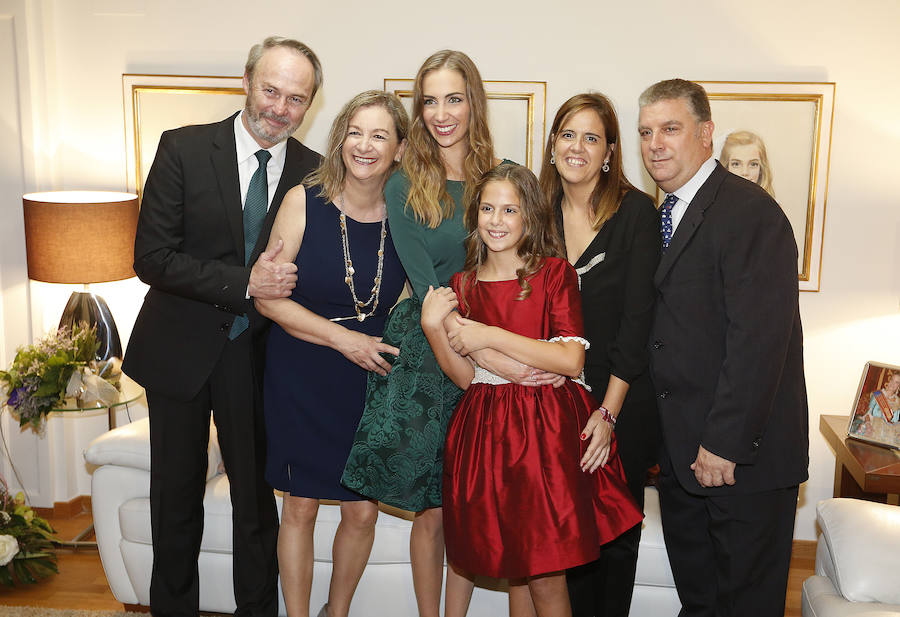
(255,207)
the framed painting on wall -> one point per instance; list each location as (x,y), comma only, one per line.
(157,103)
(516,115)
(778,134)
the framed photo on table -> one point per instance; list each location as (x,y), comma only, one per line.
(876,410)
(778,134)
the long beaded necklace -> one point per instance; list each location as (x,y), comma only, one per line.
(358,305)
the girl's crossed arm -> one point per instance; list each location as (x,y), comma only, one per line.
(438,303)
(562,357)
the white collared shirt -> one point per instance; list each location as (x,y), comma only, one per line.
(248,163)
(688,190)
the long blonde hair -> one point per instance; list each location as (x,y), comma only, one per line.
(612,185)
(539,236)
(428,197)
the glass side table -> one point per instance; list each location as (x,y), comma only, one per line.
(129,392)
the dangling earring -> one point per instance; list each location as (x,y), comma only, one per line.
(552,158)
(605,167)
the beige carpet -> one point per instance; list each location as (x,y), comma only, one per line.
(31,611)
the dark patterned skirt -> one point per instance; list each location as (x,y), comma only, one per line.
(397,454)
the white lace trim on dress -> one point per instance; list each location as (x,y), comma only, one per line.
(566,339)
(482,375)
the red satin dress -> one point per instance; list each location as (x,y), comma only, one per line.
(516,502)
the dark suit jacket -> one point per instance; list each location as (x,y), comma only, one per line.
(617,299)
(727,344)
(190,249)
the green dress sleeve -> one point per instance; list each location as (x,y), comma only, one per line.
(429,256)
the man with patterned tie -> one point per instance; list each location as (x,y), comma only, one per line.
(197,345)
(727,364)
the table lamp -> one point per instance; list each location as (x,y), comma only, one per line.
(82,237)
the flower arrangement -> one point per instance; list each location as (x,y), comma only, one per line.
(26,542)
(60,366)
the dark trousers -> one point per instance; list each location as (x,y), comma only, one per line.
(603,588)
(730,554)
(179,432)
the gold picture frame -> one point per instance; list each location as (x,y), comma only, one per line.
(516,114)
(794,121)
(155,103)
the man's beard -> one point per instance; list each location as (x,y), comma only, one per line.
(259,130)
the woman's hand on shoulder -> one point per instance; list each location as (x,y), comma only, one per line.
(437,304)
(365,351)
(599,432)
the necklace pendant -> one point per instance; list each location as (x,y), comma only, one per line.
(361,317)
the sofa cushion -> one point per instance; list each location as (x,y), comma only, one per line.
(819,598)
(134,518)
(864,547)
(391,536)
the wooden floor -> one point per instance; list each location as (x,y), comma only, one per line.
(81,583)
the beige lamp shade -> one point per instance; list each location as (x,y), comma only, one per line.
(80,236)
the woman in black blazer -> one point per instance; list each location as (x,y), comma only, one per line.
(612,238)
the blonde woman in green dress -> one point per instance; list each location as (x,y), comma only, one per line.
(397,457)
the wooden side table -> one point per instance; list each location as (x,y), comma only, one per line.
(861,470)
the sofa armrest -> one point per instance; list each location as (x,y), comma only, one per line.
(129,446)
(125,446)
(863,549)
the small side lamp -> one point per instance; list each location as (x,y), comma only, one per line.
(82,237)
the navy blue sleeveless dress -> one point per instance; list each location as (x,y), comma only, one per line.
(314,396)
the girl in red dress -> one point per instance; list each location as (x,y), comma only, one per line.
(528,491)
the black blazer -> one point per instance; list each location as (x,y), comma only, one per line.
(727,344)
(617,299)
(190,249)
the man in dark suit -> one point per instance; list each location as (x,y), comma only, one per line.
(727,365)
(197,345)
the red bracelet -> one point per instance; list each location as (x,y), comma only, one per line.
(604,413)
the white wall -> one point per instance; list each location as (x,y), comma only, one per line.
(84,46)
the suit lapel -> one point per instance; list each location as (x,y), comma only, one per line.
(690,222)
(290,177)
(224,161)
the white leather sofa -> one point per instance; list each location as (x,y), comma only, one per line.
(857,561)
(121,506)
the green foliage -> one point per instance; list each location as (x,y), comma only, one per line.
(36,381)
(36,558)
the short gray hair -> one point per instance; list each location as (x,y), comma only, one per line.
(259,49)
(691,92)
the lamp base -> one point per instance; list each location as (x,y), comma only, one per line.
(91,309)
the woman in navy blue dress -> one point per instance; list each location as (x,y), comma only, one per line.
(327,337)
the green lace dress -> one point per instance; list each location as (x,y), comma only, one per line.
(397,455)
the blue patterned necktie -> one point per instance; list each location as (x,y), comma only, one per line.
(255,207)
(666,219)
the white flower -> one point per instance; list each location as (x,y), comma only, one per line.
(9,547)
